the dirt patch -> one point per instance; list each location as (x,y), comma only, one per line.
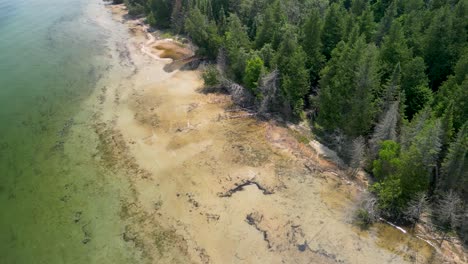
(170,49)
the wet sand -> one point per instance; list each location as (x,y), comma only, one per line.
(209,187)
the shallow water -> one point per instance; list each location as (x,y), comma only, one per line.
(58,204)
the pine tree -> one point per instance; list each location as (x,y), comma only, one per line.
(447,128)
(366,24)
(437,49)
(418,205)
(269,30)
(361,114)
(203,32)
(394,49)
(237,44)
(161,11)
(411,130)
(358,7)
(336,79)
(312,44)
(455,90)
(348,83)
(386,21)
(333,28)
(448,211)
(454,172)
(420,159)
(357,155)
(386,128)
(414,83)
(291,61)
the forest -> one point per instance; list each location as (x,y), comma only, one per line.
(382,82)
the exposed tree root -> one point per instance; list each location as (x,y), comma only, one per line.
(240,187)
(253,219)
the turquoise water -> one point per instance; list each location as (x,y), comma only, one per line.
(58,204)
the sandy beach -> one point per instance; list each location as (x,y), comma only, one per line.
(208,187)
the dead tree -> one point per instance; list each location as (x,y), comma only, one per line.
(367,211)
(416,207)
(448,212)
(269,89)
(357,155)
(385,129)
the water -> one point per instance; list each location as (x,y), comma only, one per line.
(58,203)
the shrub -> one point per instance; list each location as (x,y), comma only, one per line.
(211,76)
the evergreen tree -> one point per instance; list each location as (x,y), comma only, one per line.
(454,172)
(237,44)
(414,83)
(269,30)
(388,162)
(447,128)
(358,7)
(253,70)
(333,28)
(420,159)
(386,128)
(366,24)
(203,32)
(386,21)
(348,83)
(409,132)
(362,110)
(437,49)
(455,90)
(312,44)
(161,11)
(294,76)
(394,49)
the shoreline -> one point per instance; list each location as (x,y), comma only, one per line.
(209,182)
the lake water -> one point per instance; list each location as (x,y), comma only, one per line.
(58,203)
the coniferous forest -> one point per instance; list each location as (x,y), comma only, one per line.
(383,82)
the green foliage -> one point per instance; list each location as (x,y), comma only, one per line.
(211,76)
(237,44)
(389,193)
(455,166)
(394,49)
(419,160)
(269,30)
(333,28)
(388,162)
(455,90)
(438,53)
(366,24)
(294,76)
(348,83)
(160,13)
(267,53)
(386,21)
(362,218)
(253,70)
(414,83)
(312,44)
(203,33)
